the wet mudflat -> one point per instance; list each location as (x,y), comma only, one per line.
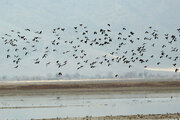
(73,103)
(39,107)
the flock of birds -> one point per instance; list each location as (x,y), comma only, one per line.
(99,38)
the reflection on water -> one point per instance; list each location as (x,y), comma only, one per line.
(27,107)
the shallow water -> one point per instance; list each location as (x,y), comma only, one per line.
(27,107)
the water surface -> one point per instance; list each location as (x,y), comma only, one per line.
(52,106)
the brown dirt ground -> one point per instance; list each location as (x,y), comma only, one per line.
(172,116)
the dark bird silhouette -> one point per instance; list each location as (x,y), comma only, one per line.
(27,29)
(116,75)
(16,66)
(59,73)
(176,70)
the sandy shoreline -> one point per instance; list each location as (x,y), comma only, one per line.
(171,116)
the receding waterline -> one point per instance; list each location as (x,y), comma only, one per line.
(21,107)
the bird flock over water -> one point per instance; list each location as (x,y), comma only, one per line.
(19,45)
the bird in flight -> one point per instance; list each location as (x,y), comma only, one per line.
(123,46)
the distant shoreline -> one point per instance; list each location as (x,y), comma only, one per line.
(114,86)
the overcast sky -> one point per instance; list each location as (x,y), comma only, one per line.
(135,15)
